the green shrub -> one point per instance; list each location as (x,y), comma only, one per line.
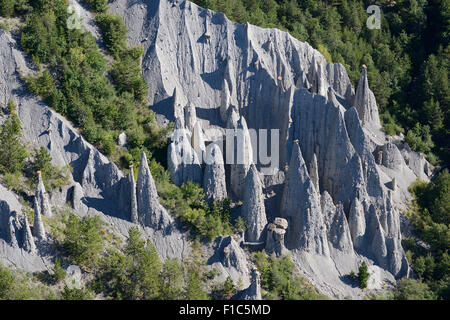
(133,274)
(419,138)
(15,285)
(363,275)
(12,151)
(410,289)
(281,280)
(83,240)
(76,294)
(13,180)
(113,31)
(52,176)
(172,281)
(4,26)
(58,271)
(97,5)
(390,124)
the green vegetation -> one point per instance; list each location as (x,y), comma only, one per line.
(12,152)
(224,291)
(76,294)
(408,63)
(429,213)
(408,58)
(83,240)
(363,275)
(15,285)
(4,25)
(18,169)
(138,273)
(187,203)
(410,289)
(132,274)
(53,177)
(73,78)
(74,81)
(97,5)
(281,280)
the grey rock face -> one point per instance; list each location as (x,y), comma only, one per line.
(103,188)
(243,157)
(28,240)
(300,206)
(77,197)
(151,213)
(338,230)
(133,203)
(314,173)
(229,259)
(225,102)
(391,157)
(418,164)
(9,224)
(275,237)
(232,256)
(365,102)
(190,117)
(12,231)
(253,209)
(253,292)
(42,197)
(268,74)
(183,162)
(214,183)
(38,227)
(357,223)
(178,105)
(198,141)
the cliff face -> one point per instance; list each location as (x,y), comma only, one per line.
(97,185)
(339,182)
(341,203)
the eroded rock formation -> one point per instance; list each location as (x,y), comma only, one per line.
(150,212)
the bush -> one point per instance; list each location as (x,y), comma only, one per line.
(4,26)
(83,240)
(429,213)
(410,289)
(12,151)
(133,274)
(59,273)
(15,285)
(281,280)
(114,32)
(172,281)
(52,176)
(419,139)
(363,275)
(97,5)
(126,73)
(76,294)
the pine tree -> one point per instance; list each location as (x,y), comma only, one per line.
(363,275)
